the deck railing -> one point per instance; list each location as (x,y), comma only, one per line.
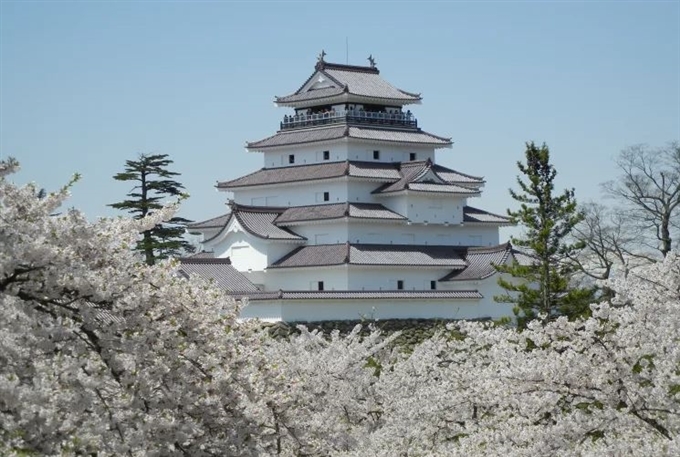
(349,116)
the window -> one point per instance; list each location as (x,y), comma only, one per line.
(412,156)
(320,284)
(326,155)
(400,284)
(291,158)
(433,285)
(376,155)
(326,196)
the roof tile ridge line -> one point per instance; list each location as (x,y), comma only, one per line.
(297,92)
(459,172)
(347,256)
(348,67)
(485,212)
(443,138)
(248,143)
(221,231)
(418,95)
(205,261)
(488,249)
(256,209)
(207,220)
(344,86)
(248,229)
(347,207)
(241,177)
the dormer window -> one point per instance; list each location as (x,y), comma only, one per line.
(291,158)
(376,155)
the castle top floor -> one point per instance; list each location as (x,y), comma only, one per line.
(350,86)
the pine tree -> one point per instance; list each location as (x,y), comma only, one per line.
(542,285)
(154,183)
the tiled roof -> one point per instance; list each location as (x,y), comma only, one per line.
(313,94)
(335,211)
(471,214)
(422,177)
(372,254)
(480,263)
(215,222)
(288,174)
(259,221)
(456,177)
(523,258)
(220,271)
(381,171)
(445,188)
(378,171)
(363,295)
(372,211)
(401,136)
(317,134)
(351,80)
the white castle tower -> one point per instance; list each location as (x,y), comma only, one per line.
(350,216)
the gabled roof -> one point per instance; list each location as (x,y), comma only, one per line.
(215,222)
(373,254)
(334,132)
(336,211)
(256,220)
(377,171)
(346,82)
(477,215)
(259,221)
(423,177)
(220,271)
(480,261)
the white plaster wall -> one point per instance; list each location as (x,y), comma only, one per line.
(305,155)
(320,310)
(363,151)
(324,233)
(345,149)
(306,279)
(431,234)
(246,253)
(363,278)
(300,194)
(432,208)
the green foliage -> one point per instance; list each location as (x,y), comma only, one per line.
(154,183)
(542,285)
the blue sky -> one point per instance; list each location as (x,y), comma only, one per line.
(85,86)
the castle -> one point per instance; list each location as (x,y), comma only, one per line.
(351,217)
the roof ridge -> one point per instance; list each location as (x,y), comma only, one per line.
(206,260)
(255,209)
(194,224)
(481,178)
(346,67)
(484,211)
(486,249)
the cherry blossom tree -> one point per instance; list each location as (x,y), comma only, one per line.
(103,354)
(100,353)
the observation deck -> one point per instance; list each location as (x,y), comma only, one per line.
(376,118)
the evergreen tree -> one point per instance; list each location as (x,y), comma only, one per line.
(542,285)
(154,183)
